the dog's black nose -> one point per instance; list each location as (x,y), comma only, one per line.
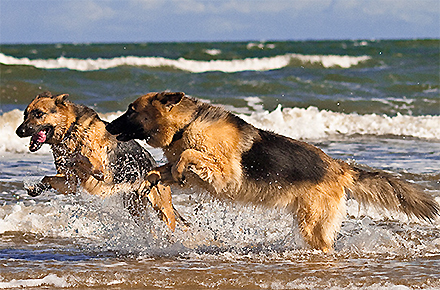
(110,128)
(114,127)
(22,131)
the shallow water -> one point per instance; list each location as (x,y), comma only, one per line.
(83,241)
(376,103)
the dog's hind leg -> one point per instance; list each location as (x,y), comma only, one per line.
(320,216)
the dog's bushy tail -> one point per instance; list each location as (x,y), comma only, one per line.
(383,190)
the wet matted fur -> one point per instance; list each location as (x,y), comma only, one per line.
(210,147)
(87,155)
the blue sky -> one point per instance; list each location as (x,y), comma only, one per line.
(79,21)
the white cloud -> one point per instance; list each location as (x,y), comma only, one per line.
(219,24)
(266,6)
(238,6)
(78,15)
(147,4)
(99,20)
(188,6)
(90,10)
(416,11)
(410,11)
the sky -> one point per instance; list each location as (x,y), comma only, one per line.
(88,21)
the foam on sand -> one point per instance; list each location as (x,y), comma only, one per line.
(49,280)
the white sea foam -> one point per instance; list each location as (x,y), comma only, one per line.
(261,45)
(195,66)
(213,51)
(312,123)
(50,280)
(104,222)
(298,123)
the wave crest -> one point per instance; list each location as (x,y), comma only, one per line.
(194,66)
(299,123)
(312,123)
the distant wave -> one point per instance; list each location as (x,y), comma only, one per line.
(194,66)
(298,123)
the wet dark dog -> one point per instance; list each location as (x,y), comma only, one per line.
(86,155)
(212,148)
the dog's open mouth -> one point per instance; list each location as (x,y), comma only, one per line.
(38,139)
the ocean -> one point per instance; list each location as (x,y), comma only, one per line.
(374,102)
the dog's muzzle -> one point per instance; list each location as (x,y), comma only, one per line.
(40,135)
(112,128)
(25,130)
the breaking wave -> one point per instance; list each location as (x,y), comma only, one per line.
(312,123)
(299,123)
(194,66)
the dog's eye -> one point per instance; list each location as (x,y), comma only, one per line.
(130,111)
(37,113)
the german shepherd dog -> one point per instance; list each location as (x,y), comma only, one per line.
(209,147)
(86,155)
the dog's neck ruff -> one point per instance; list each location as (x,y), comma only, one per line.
(70,130)
(179,134)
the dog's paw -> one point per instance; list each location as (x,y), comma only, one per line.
(151,180)
(153,177)
(37,189)
(98,174)
(177,173)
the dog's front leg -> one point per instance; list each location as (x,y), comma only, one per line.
(160,198)
(38,188)
(85,167)
(161,173)
(60,183)
(159,195)
(200,164)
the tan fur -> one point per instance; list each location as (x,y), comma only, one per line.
(81,147)
(211,148)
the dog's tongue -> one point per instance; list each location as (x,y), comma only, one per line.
(37,141)
(40,136)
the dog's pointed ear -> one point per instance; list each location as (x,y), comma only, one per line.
(169,100)
(46,94)
(60,99)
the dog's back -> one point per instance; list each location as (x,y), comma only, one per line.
(208,146)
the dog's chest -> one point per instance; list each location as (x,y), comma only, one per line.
(173,152)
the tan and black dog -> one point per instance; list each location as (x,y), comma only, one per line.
(210,147)
(86,155)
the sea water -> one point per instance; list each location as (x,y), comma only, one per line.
(374,102)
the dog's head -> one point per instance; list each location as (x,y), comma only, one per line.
(155,117)
(44,119)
